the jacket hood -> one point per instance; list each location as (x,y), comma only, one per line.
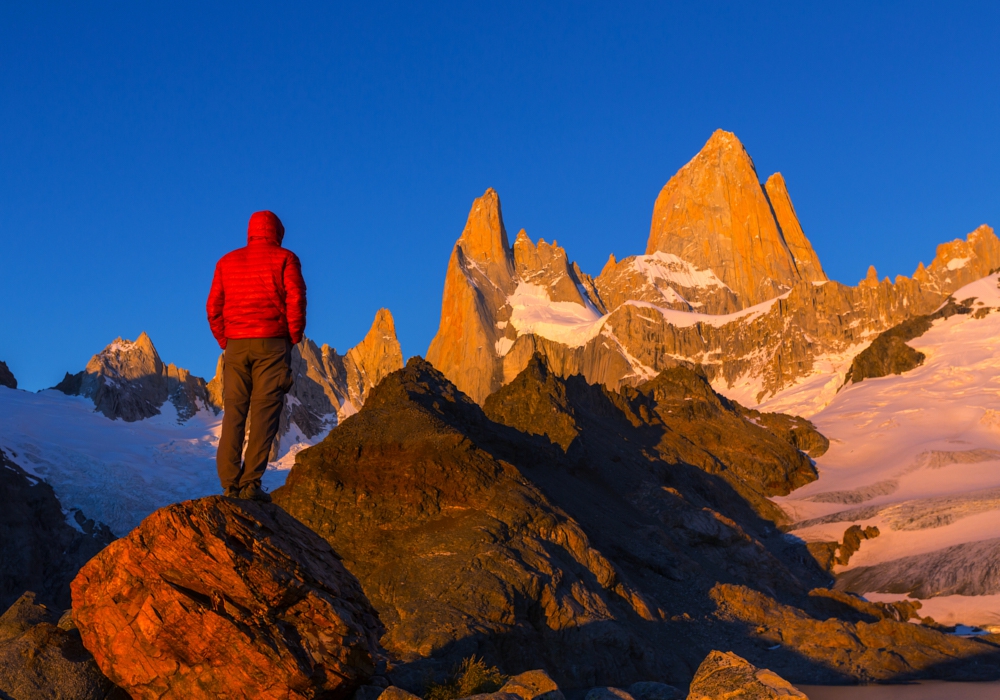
(266,225)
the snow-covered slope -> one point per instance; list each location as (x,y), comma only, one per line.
(113,471)
(918,456)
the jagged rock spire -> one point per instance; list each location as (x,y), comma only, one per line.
(715,214)
(481,276)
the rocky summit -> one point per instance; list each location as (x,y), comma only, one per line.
(128,380)
(715,214)
(225,598)
(601,535)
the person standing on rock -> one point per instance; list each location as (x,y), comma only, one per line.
(257,311)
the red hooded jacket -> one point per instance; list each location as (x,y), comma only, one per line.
(258,291)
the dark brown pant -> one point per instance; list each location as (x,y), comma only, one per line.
(256,376)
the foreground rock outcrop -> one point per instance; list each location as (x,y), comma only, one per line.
(224,598)
(578,542)
(457,551)
(586,531)
(43,658)
(724,675)
(39,550)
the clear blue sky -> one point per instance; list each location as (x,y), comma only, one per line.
(137,138)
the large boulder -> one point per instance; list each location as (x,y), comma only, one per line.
(42,657)
(218,597)
(726,675)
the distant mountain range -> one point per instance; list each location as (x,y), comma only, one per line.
(729,282)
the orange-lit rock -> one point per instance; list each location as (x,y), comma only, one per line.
(806,260)
(959,262)
(722,249)
(374,358)
(476,328)
(480,277)
(547,266)
(715,214)
(224,598)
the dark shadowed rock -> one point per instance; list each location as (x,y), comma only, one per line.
(757,453)
(724,675)
(39,550)
(224,598)
(458,551)
(766,458)
(651,690)
(608,694)
(7,377)
(889,352)
(43,659)
(576,548)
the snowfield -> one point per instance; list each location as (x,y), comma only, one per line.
(918,456)
(113,471)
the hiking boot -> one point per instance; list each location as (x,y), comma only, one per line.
(253,492)
(232,492)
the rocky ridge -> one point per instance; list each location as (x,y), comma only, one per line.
(220,597)
(588,531)
(729,282)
